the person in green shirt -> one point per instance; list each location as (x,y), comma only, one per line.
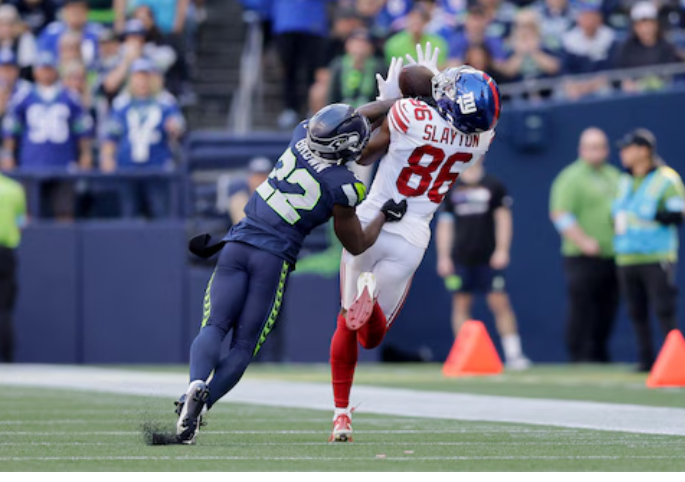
(404,43)
(12,218)
(647,210)
(580,208)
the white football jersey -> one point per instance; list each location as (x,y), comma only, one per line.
(425,157)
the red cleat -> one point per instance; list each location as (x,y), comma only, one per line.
(360,312)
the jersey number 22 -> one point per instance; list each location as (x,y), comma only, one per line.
(287,205)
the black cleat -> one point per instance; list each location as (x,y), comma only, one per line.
(190,408)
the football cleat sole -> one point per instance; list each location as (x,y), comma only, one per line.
(360,312)
(191,409)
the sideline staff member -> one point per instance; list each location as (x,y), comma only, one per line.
(473,238)
(580,207)
(12,216)
(649,206)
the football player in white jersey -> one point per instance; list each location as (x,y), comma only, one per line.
(424,143)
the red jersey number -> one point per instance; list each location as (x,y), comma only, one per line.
(444,177)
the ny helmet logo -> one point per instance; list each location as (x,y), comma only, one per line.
(467,103)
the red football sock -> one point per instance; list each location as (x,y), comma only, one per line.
(371,335)
(343,362)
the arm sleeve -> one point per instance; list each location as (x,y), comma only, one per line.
(351,194)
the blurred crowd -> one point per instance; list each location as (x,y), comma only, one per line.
(337,47)
(95,85)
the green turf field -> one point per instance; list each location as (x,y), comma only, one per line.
(49,429)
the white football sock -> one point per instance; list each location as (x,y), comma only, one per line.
(512,347)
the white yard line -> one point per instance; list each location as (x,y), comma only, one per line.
(386,401)
(374,457)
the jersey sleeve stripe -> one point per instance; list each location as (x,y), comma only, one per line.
(351,194)
(400,123)
(393,124)
(403,112)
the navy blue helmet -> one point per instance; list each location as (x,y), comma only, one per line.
(338,134)
(467,98)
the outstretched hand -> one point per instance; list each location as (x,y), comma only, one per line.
(390,88)
(429,59)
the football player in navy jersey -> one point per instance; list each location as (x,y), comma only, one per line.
(309,184)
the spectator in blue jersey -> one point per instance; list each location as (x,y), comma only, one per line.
(74,19)
(474,32)
(47,129)
(36,14)
(300,27)
(141,131)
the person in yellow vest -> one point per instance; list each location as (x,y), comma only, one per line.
(647,211)
(12,218)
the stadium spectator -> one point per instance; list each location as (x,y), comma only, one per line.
(156,47)
(10,84)
(647,211)
(36,14)
(646,46)
(12,219)
(473,239)
(74,76)
(134,47)
(501,15)
(69,48)
(474,32)
(142,130)
(164,47)
(556,18)
(403,43)
(300,27)
(239,192)
(588,48)
(479,57)
(529,59)
(49,130)
(13,37)
(170,15)
(353,75)
(74,19)
(388,17)
(346,21)
(580,208)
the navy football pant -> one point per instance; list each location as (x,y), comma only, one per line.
(244,296)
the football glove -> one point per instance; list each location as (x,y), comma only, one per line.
(390,88)
(394,211)
(428,59)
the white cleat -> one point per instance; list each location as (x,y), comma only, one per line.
(519,363)
(360,312)
(342,428)
(192,409)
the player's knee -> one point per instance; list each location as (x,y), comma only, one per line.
(370,342)
(499,303)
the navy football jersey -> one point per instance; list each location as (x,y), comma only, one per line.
(298,196)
